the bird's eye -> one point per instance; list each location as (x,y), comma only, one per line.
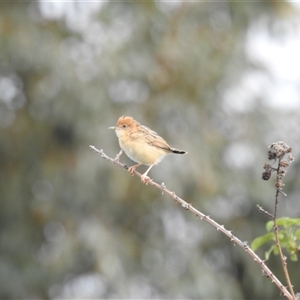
(124,126)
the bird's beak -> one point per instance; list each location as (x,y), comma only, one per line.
(112,127)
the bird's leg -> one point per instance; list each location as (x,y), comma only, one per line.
(144,177)
(132,168)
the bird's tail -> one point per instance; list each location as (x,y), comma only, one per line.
(176,151)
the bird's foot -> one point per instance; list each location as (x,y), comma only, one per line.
(131,170)
(145,179)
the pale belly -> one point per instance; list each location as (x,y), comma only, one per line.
(143,154)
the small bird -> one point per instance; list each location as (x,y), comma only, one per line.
(141,144)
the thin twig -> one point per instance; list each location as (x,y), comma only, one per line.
(244,245)
(265,212)
(276,231)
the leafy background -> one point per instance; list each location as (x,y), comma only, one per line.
(74,226)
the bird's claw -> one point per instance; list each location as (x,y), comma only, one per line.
(131,170)
(145,179)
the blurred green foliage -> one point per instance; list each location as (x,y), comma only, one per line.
(75,226)
(289,237)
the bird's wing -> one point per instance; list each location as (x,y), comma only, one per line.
(159,143)
(155,140)
(148,130)
(151,137)
(142,132)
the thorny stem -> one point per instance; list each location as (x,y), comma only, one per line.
(236,241)
(276,230)
(265,212)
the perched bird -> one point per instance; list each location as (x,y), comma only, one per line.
(141,144)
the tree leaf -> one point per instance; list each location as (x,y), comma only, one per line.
(259,241)
(288,222)
(269,225)
(267,253)
(294,257)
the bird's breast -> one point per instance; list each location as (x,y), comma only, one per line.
(142,152)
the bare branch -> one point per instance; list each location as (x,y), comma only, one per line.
(265,212)
(188,206)
(276,230)
(278,151)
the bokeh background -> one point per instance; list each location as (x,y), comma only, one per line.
(217,79)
